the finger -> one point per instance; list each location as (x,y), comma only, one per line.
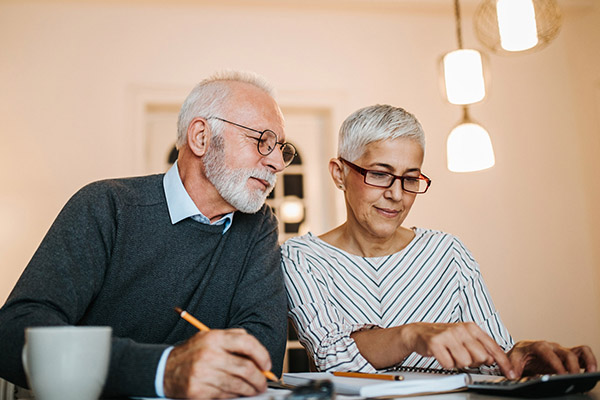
(460,354)
(248,346)
(570,360)
(219,384)
(547,353)
(500,358)
(517,360)
(459,345)
(442,355)
(226,374)
(244,369)
(473,341)
(586,358)
(507,368)
(204,362)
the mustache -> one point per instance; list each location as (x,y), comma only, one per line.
(265,175)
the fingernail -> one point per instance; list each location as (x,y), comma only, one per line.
(512,374)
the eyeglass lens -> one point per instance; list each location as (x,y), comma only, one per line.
(267,143)
(382,179)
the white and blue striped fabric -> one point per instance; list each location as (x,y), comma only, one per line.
(332,293)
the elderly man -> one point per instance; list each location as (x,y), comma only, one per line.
(125,252)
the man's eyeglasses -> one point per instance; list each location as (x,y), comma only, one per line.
(267,141)
(382,179)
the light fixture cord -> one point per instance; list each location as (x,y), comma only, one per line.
(466,117)
(458,22)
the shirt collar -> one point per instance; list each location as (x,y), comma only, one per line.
(181,205)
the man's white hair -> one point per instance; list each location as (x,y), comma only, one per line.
(208,98)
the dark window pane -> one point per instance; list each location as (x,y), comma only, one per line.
(291,228)
(173,155)
(297,360)
(292,185)
(291,330)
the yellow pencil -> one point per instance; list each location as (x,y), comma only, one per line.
(192,320)
(365,375)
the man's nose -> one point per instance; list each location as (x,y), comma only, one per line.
(274,160)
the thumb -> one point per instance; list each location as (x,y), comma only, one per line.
(518,359)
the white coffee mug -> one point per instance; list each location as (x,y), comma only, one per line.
(67,362)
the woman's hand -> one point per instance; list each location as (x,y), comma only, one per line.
(459,345)
(454,345)
(541,357)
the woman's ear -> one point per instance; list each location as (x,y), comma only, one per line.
(336,169)
(198,136)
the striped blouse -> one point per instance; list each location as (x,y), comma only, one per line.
(332,293)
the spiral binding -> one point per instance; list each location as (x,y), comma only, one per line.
(427,370)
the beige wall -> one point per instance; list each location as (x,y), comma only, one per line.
(72,73)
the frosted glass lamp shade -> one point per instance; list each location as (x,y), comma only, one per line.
(463,76)
(469,148)
(516,24)
(292,210)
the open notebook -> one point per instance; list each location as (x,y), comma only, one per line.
(413,383)
(427,382)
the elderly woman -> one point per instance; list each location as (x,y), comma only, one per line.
(373,295)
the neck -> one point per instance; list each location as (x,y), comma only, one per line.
(359,242)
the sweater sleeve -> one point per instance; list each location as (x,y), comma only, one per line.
(59,283)
(321,328)
(259,304)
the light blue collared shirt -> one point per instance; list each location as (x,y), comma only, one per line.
(181,206)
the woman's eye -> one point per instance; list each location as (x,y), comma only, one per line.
(379,175)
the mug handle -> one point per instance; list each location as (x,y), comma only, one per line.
(24,359)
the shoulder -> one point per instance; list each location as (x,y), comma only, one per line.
(451,247)
(432,237)
(306,252)
(262,221)
(305,244)
(142,190)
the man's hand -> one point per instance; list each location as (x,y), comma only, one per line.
(217,364)
(459,345)
(540,357)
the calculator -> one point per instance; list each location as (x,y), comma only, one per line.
(537,386)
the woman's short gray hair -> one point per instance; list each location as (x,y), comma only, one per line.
(374,123)
(209,96)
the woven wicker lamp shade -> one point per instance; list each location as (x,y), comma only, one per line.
(547,19)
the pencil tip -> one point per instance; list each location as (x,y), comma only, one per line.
(179,310)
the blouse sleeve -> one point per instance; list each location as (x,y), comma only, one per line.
(477,305)
(322,330)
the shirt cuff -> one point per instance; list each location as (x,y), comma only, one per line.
(160,373)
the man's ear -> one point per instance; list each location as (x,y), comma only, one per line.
(336,169)
(198,136)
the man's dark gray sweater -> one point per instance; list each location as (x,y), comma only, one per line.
(112,257)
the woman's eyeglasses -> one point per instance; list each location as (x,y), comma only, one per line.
(380,179)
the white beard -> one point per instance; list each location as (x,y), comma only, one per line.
(231,183)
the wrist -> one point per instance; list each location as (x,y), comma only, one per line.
(404,340)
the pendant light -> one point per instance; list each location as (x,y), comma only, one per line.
(463,70)
(517,26)
(469,147)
